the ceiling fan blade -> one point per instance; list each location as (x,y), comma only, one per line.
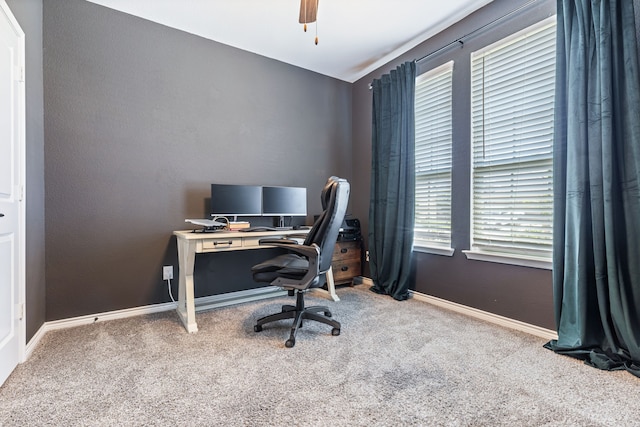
(308,11)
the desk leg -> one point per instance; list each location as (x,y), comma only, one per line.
(186,301)
(331,286)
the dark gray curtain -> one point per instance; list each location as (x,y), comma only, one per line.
(596,265)
(391,210)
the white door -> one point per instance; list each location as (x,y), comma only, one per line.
(12,142)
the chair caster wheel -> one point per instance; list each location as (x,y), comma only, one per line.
(290,343)
(257,328)
(335,331)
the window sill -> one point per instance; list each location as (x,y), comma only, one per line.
(520,260)
(434,250)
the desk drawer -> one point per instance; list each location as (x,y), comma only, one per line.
(221,244)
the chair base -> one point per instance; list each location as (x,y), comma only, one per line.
(299,312)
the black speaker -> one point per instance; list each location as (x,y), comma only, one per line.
(350,229)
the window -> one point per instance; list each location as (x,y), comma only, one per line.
(512,98)
(432,229)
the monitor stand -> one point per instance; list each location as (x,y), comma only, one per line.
(280,226)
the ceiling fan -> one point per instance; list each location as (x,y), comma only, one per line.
(308,12)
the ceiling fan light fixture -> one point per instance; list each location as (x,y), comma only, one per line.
(308,11)
(308,14)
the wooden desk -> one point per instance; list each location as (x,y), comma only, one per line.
(190,244)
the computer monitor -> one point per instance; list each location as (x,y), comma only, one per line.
(231,201)
(284,201)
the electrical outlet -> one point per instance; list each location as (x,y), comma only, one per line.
(167,272)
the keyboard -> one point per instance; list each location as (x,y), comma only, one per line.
(262,228)
(254,229)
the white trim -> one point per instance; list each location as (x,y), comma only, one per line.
(202,304)
(94,318)
(239,297)
(215,301)
(434,250)
(34,341)
(486,316)
(427,34)
(475,313)
(517,36)
(361,280)
(109,315)
(520,260)
(447,66)
(22,215)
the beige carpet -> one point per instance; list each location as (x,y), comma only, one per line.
(395,364)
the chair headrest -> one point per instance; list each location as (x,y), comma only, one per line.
(325,196)
(326,218)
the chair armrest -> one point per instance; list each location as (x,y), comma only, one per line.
(278,241)
(311,253)
(297,236)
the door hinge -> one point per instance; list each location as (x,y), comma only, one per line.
(19,192)
(19,73)
(20,311)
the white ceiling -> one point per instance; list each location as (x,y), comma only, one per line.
(355,36)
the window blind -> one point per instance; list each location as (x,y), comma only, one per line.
(512,135)
(433,122)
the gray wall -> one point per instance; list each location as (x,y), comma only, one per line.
(29,16)
(516,292)
(140,119)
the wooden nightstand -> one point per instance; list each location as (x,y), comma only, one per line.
(346,262)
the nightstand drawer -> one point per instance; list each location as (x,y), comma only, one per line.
(345,270)
(347,250)
(346,262)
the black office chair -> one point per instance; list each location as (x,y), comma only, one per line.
(306,265)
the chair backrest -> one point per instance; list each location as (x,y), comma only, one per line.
(324,233)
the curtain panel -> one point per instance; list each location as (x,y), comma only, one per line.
(596,262)
(391,210)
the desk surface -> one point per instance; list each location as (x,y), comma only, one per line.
(232,240)
(196,235)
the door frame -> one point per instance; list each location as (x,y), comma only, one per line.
(21,184)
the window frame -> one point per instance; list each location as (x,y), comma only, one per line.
(421,244)
(474,252)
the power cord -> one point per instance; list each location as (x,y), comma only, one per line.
(225,220)
(169,289)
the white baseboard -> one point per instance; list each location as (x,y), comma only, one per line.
(202,303)
(239,297)
(33,342)
(361,280)
(222,300)
(487,316)
(475,313)
(93,318)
